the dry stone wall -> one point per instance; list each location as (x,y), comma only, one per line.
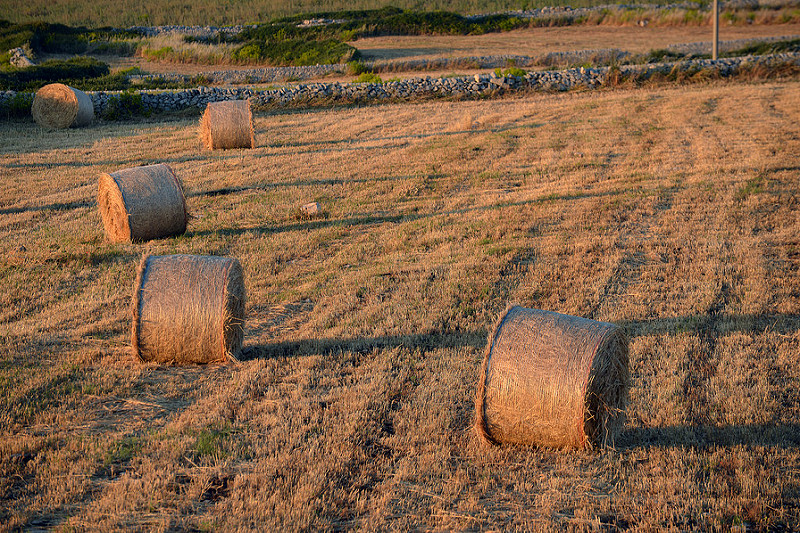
(477,86)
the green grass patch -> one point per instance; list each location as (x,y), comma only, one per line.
(752,186)
(213,441)
(122,451)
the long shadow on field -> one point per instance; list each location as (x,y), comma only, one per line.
(406,136)
(381,218)
(310,225)
(783,324)
(116,164)
(703,436)
(224,191)
(423,341)
(50,207)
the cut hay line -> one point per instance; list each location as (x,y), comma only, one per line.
(227,125)
(142,203)
(552,380)
(188,309)
(59,106)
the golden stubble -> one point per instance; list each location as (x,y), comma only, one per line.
(670,211)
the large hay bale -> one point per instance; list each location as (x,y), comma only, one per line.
(188,309)
(552,380)
(227,125)
(60,106)
(142,203)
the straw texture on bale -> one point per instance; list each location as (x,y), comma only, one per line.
(188,309)
(227,125)
(552,380)
(141,203)
(60,106)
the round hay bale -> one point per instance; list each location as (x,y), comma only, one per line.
(142,203)
(227,125)
(188,309)
(60,106)
(552,380)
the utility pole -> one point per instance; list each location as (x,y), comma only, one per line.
(715,43)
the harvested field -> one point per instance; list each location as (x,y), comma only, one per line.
(670,211)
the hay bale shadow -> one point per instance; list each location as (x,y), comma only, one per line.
(306,347)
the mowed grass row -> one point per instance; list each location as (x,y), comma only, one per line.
(671,211)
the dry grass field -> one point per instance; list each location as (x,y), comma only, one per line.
(673,211)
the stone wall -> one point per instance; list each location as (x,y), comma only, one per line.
(477,86)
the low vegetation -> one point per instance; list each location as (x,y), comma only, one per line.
(203,12)
(289,41)
(43,37)
(671,211)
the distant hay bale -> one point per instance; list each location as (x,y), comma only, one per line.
(552,380)
(188,309)
(60,106)
(227,125)
(141,203)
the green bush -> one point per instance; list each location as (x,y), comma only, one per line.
(158,55)
(76,68)
(17,107)
(56,38)
(368,77)
(43,37)
(125,106)
(511,71)
(117,48)
(774,47)
(295,52)
(354,68)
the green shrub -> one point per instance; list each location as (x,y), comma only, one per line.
(512,71)
(125,106)
(18,106)
(247,53)
(295,52)
(158,55)
(117,48)
(368,77)
(44,37)
(76,68)
(354,68)
(774,47)
(57,38)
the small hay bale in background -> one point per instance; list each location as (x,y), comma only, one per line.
(60,106)
(142,203)
(227,125)
(552,380)
(188,309)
